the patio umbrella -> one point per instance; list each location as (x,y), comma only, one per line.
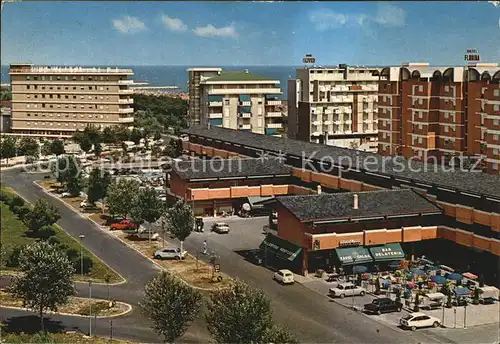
(394,265)
(461,291)
(454,277)
(359,269)
(438,279)
(418,272)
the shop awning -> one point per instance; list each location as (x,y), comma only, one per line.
(392,251)
(345,255)
(280,248)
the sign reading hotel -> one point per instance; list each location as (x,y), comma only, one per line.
(472,55)
(309,59)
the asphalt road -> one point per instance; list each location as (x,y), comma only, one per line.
(311,316)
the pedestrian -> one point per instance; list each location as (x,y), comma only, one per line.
(205,250)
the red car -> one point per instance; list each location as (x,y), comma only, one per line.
(123,224)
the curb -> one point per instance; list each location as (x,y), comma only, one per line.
(129,309)
(125,243)
(102,261)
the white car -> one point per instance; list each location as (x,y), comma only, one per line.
(419,320)
(284,276)
(170,253)
(346,289)
(65,194)
(83,204)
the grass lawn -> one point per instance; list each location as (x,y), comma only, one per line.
(14,234)
(50,338)
(75,305)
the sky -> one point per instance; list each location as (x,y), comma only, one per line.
(248,33)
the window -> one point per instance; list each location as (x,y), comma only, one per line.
(226,102)
(66,96)
(101,88)
(259,122)
(496,93)
(27,87)
(446,88)
(82,78)
(259,111)
(495,122)
(446,129)
(74,88)
(495,137)
(58,78)
(28,78)
(421,88)
(496,107)
(66,77)
(420,140)
(90,88)
(494,166)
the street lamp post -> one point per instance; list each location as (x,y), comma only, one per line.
(81,236)
(90,309)
(354,257)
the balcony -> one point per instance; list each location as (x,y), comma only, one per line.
(126,119)
(237,91)
(245,103)
(214,104)
(274,125)
(273,114)
(126,110)
(125,82)
(245,126)
(126,91)
(126,101)
(245,115)
(273,102)
(215,115)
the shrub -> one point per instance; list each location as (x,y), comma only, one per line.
(16,201)
(22,212)
(53,241)
(5,197)
(72,254)
(13,259)
(45,232)
(14,208)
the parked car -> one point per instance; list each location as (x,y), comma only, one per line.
(65,194)
(346,289)
(170,253)
(145,235)
(334,281)
(111,220)
(284,276)
(123,224)
(83,204)
(383,305)
(419,320)
(220,227)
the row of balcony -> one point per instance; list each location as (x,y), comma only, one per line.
(245,103)
(126,101)
(247,115)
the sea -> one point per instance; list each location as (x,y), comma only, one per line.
(178,75)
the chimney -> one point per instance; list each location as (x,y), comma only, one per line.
(356,201)
(319,190)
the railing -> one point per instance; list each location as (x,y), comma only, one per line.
(126,119)
(273,102)
(245,103)
(274,125)
(125,82)
(127,110)
(245,126)
(216,103)
(245,115)
(126,101)
(273,114)
(215,115)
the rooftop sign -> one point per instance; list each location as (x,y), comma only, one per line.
(472,55)
(309,59)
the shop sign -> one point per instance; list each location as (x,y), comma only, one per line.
(472,55)
(278,248)
(351,242)
(309,59)
(387,252)
(349,258)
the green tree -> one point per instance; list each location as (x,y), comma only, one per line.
(97,149)
(28,146)
(108,135)
(239,314)
(5,93)
(57,147)
(98,185)
(46,280)
(68,172)
(181,221)
(121,133)
(8,147)
(147,206)
(135,136)
(42,214)
(85,144)
(171,305)
(46,148)
(121,196)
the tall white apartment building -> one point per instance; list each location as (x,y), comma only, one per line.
(195,77)
(334,105)
(238,100)
(49,101)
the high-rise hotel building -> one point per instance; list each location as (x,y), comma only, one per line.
(57,101)
(235,99)
(334,105)
(441,112)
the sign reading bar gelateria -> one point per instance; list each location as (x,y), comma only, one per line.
(351,242)
(388,252)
